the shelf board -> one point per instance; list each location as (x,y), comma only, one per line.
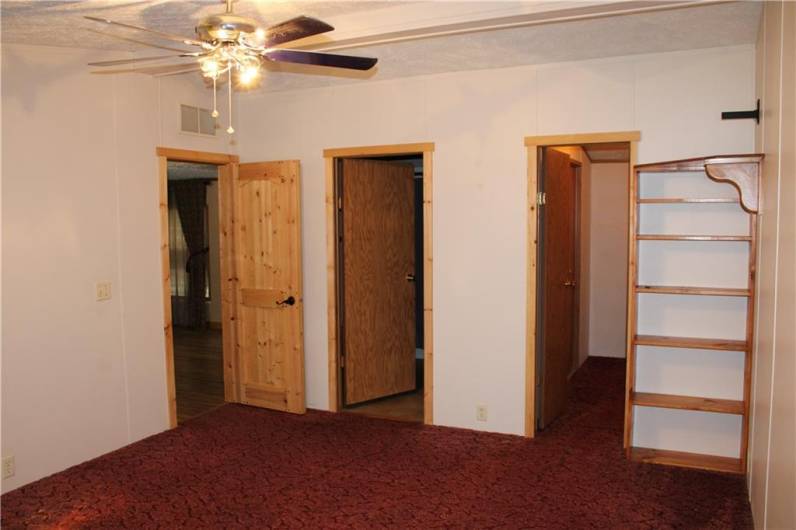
(687,200)
(723,464)
(708,291)
(671,401)
(690,342)
(682,237)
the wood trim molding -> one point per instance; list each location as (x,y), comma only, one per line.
(428,288)
(532,143)
(530,323)
(201,157)
(227,168)
(168,331)
(427,150)
(379,150)
(229,284)
(331,287)
(632,281)
(698,164)
(587,138)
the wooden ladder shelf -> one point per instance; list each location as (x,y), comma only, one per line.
(742,172)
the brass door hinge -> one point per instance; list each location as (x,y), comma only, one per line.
(541,198)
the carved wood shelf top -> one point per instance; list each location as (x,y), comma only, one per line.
(742,171)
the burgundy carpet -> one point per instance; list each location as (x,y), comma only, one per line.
(241,467)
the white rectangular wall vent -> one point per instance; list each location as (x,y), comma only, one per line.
(196,120)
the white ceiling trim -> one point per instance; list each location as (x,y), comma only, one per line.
(436,19)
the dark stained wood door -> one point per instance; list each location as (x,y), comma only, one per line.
(378,253)
(558,283)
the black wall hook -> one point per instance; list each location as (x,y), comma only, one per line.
(743,114)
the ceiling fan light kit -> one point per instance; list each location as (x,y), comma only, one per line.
(236,46)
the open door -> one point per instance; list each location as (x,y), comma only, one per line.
(378,264)
(270,345)
(557,281)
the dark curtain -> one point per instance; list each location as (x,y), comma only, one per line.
(190,197)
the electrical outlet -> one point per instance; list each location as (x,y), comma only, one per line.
(103,291)
(9,466)
(480,413)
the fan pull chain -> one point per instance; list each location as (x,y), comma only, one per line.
(215,105)
(230,130)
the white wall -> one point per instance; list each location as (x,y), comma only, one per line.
(478,120)
(608,220)
(772,449)
(80,205)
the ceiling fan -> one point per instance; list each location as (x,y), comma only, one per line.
(229,44)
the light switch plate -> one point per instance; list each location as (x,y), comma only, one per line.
(9,467)
(103,291)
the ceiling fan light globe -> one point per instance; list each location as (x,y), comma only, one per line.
(210,67)
(257,38)
(248,75)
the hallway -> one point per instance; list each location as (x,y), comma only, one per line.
(198,371)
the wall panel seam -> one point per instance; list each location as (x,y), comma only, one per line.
(776,264)
(119,289)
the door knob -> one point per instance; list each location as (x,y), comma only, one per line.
(569,283)
(290,300)
(410,277)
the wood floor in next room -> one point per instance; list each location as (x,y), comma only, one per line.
(199,371)
(242,467)
(404,407)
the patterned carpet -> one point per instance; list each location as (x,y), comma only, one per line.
(240,467)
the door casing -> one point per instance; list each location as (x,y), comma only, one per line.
(532,144)
(226,164)
(427,151)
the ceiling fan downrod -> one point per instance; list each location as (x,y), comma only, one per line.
(236,46)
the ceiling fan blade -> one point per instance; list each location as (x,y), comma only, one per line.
(179,72)
(136,41)
(294,29)
(118,62)
(162,35)
(321,59)
(153,70)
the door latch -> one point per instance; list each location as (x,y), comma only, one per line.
(290,300)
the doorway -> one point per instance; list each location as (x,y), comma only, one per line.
(577,255)
(379,234)
(196,261)
(259,247)
(195,287)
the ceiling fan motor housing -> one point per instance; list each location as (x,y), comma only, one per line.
(225,27)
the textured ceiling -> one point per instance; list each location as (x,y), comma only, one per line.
(672,30)
(59,23)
